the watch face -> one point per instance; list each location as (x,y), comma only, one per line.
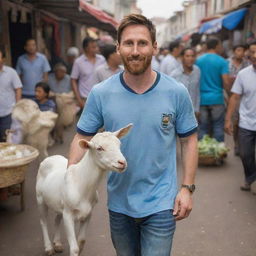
(192,188)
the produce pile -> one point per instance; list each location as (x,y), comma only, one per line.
(208,146)
(11,152)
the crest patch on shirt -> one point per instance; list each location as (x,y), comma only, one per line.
(166,119)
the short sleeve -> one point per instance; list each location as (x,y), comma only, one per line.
(238,85)
(186,123)
(225,68)
(18,66)
(16,82)
(46,65)
(75,70)
(91,119)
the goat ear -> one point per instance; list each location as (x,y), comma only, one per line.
(85,144)
(123,131)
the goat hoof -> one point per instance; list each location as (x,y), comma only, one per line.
(49,252)
(81,245)
(58,248)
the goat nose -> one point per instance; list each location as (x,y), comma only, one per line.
(122,162)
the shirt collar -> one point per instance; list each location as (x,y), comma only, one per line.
(86,58)
(4,69)
(183,71)
(26,55)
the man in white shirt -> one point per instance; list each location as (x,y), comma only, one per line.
(244,89)
(111,67)
(10,87)
(171,61)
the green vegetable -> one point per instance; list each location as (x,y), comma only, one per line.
(208,146)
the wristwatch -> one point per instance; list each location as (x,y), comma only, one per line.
(191,188)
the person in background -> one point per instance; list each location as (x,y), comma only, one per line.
(33,67)
(237,62)
(144,202)
(72,54)
(171,61)
(189,75)
(83,69)
(10,93)
(42,91)
(244,91)
(59,81)
(112,65)
(201,49)
(214,78)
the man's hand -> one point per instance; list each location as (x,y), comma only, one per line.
(228,127)
(80,103)
(183,204)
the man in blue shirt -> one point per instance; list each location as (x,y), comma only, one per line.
(143,201)
(214,78)
(33,67)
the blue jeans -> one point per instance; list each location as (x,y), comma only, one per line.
(148,236)
(5,123)
(247,143)
(212,121)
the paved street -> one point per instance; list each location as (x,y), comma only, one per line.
(223,221)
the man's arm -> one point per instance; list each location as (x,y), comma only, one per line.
(18,93)
(74,85)
(189,154)
(226,83)
(233,101)
(76,152)
(45,77)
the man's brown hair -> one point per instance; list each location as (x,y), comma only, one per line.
(136,19)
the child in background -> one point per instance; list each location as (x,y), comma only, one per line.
(42,97)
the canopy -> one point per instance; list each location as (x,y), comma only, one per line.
(232,20)
(229,21)
(78,11)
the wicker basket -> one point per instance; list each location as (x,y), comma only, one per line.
(211,160)
(13,171)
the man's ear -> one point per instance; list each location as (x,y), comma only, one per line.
(117,48)
(155,48)
(123,131)
(85,144)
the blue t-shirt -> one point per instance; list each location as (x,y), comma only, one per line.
(49,105)
(32,71)
(212,68)
(149,185)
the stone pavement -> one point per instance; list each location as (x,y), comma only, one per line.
(222,223)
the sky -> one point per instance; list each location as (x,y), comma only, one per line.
(159,8)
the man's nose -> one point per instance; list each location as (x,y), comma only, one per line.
(135,50)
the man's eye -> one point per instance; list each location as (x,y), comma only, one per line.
(143,43)
(100,148)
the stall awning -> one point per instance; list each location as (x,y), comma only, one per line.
(212,26)
(229,21)
(78,11)
(97,13)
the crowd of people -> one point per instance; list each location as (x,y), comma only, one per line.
(206,74)
(216,86)
(220,96)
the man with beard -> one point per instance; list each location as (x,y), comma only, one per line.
(244,89)
(143,201)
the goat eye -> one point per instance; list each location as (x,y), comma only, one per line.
(100,149)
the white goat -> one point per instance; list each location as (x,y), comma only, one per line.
(34,126)
(66,108)
(71,192)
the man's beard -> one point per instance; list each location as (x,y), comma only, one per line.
(133,69)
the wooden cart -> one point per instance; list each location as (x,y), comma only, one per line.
(12,171)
